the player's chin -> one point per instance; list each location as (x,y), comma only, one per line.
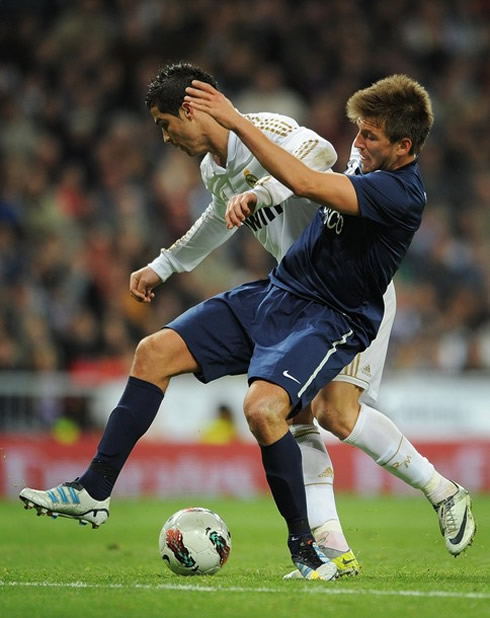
(193,152)
(366,167)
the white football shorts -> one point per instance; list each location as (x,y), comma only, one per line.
(366,369)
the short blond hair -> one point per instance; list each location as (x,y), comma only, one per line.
(399,104)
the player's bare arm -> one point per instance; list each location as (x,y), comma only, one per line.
(333,189)
(142,283)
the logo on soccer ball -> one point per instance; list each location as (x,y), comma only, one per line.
(175,543)
(221,546)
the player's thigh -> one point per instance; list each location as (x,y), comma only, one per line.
(336,407)
(162,355)
(304,417)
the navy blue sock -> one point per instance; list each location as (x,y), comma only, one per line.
(284,471)
(129,420)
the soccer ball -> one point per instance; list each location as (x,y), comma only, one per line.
(195,541)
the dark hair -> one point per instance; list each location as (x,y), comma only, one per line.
(167,89)
(399,104)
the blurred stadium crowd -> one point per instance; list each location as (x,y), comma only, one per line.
(89,192)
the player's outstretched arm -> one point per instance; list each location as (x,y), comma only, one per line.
(333,189)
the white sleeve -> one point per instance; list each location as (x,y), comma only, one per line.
(315,152)
(207,233)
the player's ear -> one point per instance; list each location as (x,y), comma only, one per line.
(187,110)
(404,146)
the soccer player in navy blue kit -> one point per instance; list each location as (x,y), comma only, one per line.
(293,332)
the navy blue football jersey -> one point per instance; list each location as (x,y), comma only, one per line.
(347,261)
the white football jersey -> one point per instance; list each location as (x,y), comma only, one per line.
(279,216)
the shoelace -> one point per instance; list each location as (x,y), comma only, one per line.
(447,516)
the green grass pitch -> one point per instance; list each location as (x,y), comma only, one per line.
(57,568)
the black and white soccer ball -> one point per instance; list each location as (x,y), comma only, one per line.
(195,541)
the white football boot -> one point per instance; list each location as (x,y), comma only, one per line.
(67,500)
(456,521)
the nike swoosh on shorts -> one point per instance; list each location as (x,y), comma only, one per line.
(286,374)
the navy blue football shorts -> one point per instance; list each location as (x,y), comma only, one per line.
(271,334)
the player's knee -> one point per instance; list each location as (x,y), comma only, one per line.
(264,411)
(161,356)
(259,415)
(146,357)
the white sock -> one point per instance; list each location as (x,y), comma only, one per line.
(330,536)
(318,477)
(439,488)
(375,434)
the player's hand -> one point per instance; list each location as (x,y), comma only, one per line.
(239,208)
(142,283)
(205,98)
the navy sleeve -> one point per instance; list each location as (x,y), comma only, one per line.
(387,198)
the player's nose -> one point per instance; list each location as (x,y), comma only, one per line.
(359,142)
